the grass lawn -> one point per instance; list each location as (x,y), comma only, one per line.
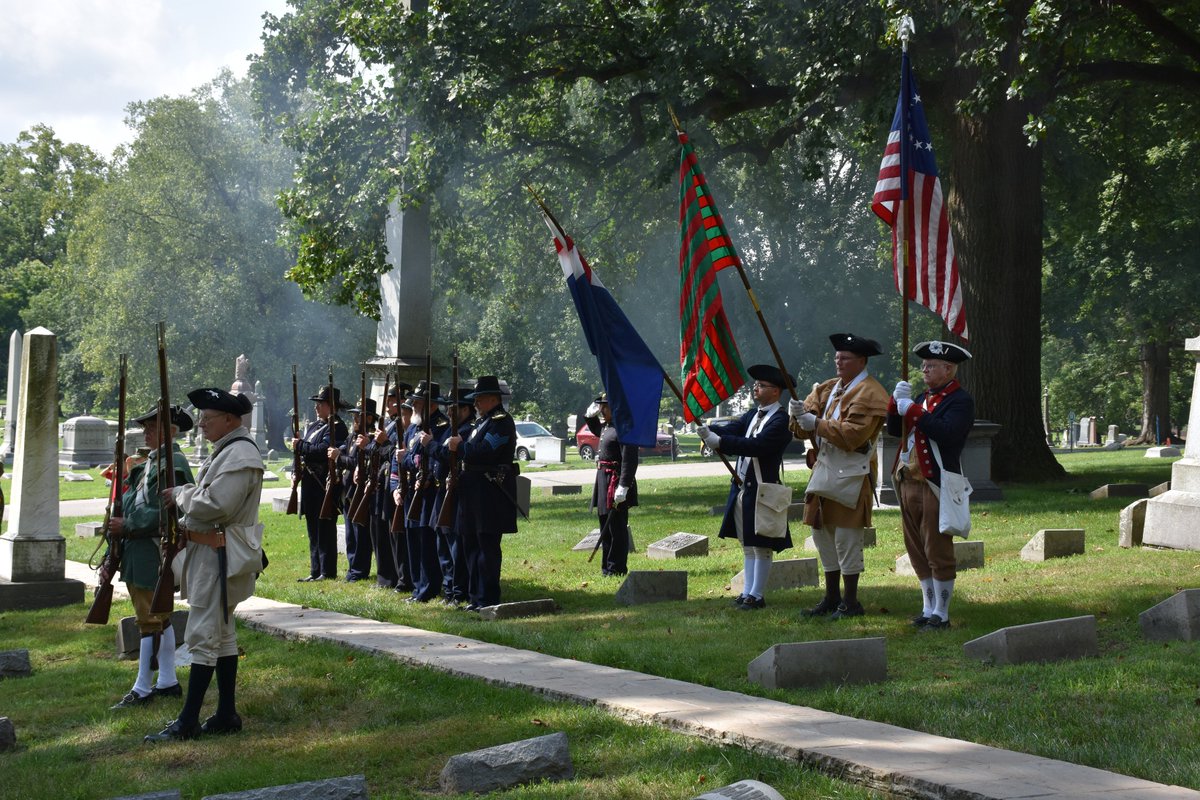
(1132,710)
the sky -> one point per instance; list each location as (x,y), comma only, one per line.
(75,64)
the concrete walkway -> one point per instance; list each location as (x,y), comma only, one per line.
(882,757)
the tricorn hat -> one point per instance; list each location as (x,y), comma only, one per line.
(942,351)
(371,408)
(322,396)
(858,345)
(768,373)
(486,384)
(179,418)
(220,400)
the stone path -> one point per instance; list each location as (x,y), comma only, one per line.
(880,756)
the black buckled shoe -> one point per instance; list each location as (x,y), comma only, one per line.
(175,732)
(821,609)
(215,724)
(752,603)
(934,623)
(309,579)
(919,620)
(132,700)
(844,611)
(737,601)
(174,690)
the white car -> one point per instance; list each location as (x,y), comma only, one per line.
(527,434)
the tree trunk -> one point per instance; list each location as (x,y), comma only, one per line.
(1156,387)
(995,204)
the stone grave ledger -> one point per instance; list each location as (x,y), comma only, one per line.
(795,664)
(1054,640)
(647,586)
(976,463)
(1177,617)
(791,573)
(742,790)
(588,543)
(678,545)
(1173,518)
(967,555)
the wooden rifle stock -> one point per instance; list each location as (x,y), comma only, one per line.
(450,498)
(293,504)
(361,514)
(102,604)
(164,593)
(333,481)
(424,475)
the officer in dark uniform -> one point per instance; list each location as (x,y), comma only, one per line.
(451,553)
(313,448)
(487,505)
(400,482)
(352,461)
(615,491)
(390,571)
(423,563)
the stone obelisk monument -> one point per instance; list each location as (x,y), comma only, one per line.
(1173,518)
(9,447)
(32,552)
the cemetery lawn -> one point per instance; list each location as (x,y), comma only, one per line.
(315,711)
(1131,710)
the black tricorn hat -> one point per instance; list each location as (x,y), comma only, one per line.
(426,389)
(858,345)
(322,396)
(486,384)
(942,351)
(371,412)
(220,400)
(768,373)
(179,418)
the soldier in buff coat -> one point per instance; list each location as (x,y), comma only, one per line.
(845,413)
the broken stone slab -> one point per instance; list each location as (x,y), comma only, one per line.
(1132,524)
(1054,640)
(1053,543)
(1120,490)
(869,540)
(790,573)
(8,734)
(796,664)
(88,529)
(129,638)
(967,555)
(350,787)
(562,488)
(588,543)
(678,545)
(1177,617)
(279,504)
(504,766)
(166,794)
(524,608)
(15,664)
(1166,451)
(742,790)
(652,586)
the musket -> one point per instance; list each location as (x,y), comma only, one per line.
(450,499)
(398,521)
(102,604)
(359,476)
(424,479)
(333,481)
(361,514)
(164,592)
(293,505)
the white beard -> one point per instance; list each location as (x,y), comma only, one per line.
(416,419)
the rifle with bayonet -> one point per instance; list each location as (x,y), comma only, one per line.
(450,498)
(102,604)
(293,505)
(425,479)
(164,592)
(333,481)
(361,513)
(398,522)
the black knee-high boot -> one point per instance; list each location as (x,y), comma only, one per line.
(199,677)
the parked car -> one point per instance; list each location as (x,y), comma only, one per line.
(587,442)
(527,433)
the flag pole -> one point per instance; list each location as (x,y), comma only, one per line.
(907,29)
(791,387)
(675,389)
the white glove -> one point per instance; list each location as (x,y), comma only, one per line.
(593,411)
(807,422)
(702,431)
(620,494)
(712,440)
(903,405)
(903,391)
(795,408)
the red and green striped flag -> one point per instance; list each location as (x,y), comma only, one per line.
(710,365)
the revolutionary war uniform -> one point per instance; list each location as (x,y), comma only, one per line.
(318,437)
(615,490)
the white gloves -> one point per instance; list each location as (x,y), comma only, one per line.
(807,421)
(620,494)
(903,405)
(702,431)
(593,410)
(712,440)
(795,408)
(903,391)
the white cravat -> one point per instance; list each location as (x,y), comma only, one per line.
(756,425)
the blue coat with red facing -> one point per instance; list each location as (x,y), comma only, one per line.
(947,421)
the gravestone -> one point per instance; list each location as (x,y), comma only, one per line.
(8,734)
(524,608)
(89,529)
(1120,490)
(1112,435)
(493,769)
(717,511)
(33,554)
(1162,488)
(561,488)
(279,504)
(350,787)
(797,664)
(646,586)
(967,555)
(678,545)
(9,448)
(1053,543)
(269,477)
(1055,640)
(550,449)
(15,664)
(588,543)
(976,463)
(1165,451)
(795,511)
(135,437)
(791,573)
(87,442)
(1132,524)
(742,790)
(524,490)
(870,539)
(258,423)
(129,638)
(1177,617)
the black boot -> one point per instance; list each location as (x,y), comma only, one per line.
(226,720)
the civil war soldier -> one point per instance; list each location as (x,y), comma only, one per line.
(423,565)
(391,548)
(451,553)
(351,460)
(140,560)
(313,447)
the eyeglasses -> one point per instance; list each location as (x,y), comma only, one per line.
(933,366)
(762,385)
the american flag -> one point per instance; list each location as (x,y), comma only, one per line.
(908,197)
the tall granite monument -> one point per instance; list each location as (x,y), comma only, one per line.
(32,552)
(9,448)
(1173,518)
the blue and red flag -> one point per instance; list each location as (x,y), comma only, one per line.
(632,376)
